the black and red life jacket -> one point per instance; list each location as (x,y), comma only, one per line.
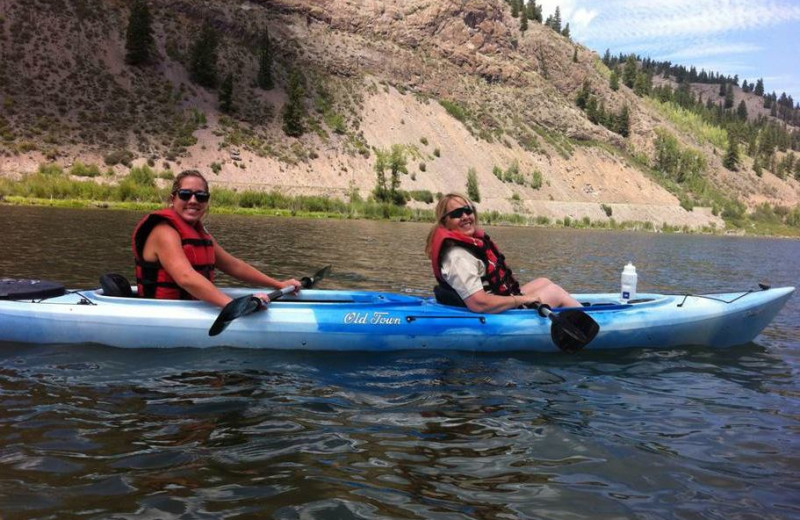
(152,279)
(498,278)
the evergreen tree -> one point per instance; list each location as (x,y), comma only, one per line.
(731,160)
(515,8)
(607,58)
(729,96)
(722,89)
(641,86)
(583,95)
(565,31)
(139,41)
(264,78)
(575,55)
(623,122)
(629,71)
(741,110)
(294,111)
(534,11)
(472,185)
(523,21)
(759,89)
(203,58)
(226,94)
(613,82)
(557,20)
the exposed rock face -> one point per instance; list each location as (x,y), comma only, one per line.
(509,96)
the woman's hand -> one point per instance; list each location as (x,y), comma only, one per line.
(290,283)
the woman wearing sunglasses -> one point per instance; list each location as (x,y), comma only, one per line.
(470,268)
(176,257)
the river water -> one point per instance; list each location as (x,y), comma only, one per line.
(95,432)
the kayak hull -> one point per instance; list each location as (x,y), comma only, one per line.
(378,321)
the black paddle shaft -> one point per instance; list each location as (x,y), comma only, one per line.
(245,305)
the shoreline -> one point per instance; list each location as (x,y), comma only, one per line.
(405,215)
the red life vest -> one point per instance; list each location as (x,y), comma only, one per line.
(152,279)
(498,278)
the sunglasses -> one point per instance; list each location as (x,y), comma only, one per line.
(186,195)
(459,212)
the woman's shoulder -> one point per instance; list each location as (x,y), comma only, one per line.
(458,252)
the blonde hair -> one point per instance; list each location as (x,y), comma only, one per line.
(441,212)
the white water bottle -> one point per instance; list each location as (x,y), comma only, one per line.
(628,279)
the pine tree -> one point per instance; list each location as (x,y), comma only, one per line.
(203,59)
(294,111)
(731,160)
(629,71)
(264,78)
(613,82)
(729,96)
(575,55)
(557,20)
(607,58)
(565,31)
(515,8)
(623,122)
(741,110)
(533,11)
(759,89)
(139,41)
(226,94)
(523,21)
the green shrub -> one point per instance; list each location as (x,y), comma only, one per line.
(421,195)
(81,170)
(50,169)
(142,176)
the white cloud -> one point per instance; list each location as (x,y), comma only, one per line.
(633,20)
(703,49)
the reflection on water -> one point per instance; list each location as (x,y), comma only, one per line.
(96,432)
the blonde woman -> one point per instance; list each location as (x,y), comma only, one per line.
(468,264)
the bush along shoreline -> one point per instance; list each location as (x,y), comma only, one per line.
(139,190)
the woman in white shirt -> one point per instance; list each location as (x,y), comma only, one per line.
(466,261)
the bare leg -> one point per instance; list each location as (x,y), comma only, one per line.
(550,293)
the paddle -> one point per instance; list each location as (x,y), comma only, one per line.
(571,330)
(245,305)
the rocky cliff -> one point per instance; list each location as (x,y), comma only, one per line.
(455,82)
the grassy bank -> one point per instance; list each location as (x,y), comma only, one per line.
(139,190)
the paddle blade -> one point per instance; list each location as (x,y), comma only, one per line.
(572,330)
(236,308)
(309,282)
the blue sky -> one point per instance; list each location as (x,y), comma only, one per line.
(751,38)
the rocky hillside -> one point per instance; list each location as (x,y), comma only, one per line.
(454,82)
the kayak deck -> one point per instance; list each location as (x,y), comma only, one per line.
(378,321)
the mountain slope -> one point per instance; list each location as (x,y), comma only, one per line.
(454,81)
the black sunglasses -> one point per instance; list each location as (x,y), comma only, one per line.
(200,195)
(459,212)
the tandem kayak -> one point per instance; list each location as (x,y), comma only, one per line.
(378,321)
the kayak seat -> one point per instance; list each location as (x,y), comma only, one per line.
(448,296)
(115,285)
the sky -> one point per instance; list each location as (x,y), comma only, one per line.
(749,38)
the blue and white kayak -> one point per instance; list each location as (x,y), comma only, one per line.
(380,321)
